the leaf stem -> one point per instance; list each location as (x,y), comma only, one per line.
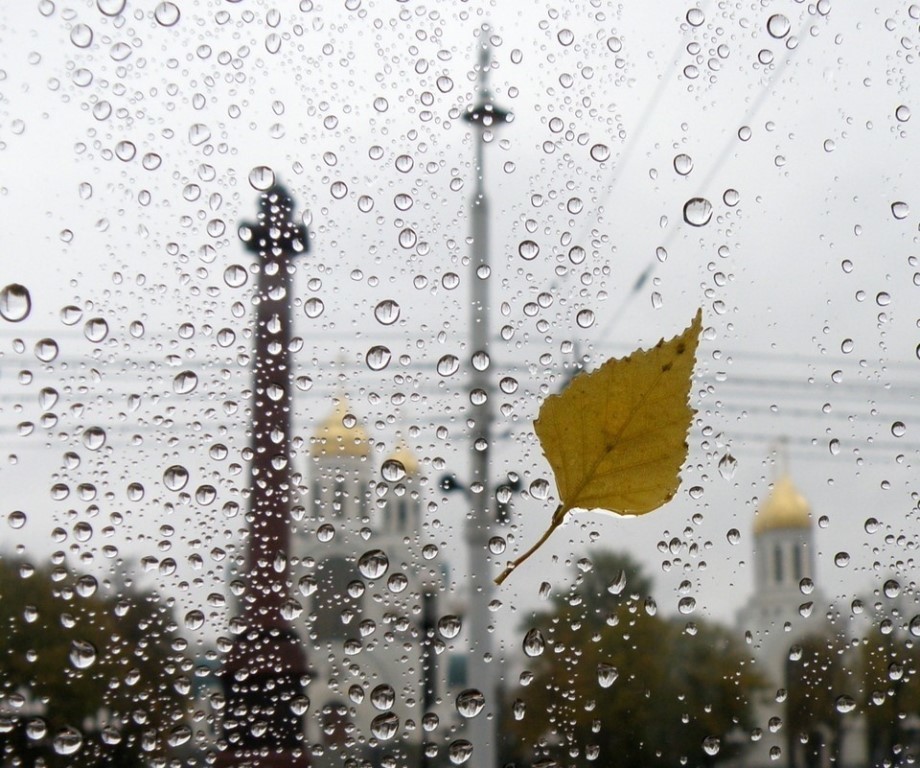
(558,517)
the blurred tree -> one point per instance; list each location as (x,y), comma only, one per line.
(890,665)
(817,681)
(86,679)
(616,684)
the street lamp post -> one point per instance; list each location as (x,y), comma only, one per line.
(484,116)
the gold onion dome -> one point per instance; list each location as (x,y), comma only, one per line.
(785,508)
(404,455)
(333,438)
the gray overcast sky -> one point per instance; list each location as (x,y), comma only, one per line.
(125,172)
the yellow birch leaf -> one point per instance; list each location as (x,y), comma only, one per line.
(616,438)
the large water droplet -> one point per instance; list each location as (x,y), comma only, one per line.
(67,741)
(600,152)
(81,35)
(194,620)
(392,470)
(449,626)
(96,329)
(697,211)
(585,318)
(15,303)
(387,312)
(539,489)
(383,697)
(683,164)
(711,745)
(470,702)
(778,26)
(900,210)
(166,14)
(534,644)
(845,704)
(385,726)
(262,177)
(448,365)
(727,466)
(460,751)
(373,564)
(82,654)
(607,674)
(378,357)
(528,250)
(185,382)
(175,477)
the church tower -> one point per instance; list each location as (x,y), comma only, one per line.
(366,594)
(785,605)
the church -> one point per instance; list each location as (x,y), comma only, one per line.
(789,626)
(376,637)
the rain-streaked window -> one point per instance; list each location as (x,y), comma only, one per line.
(336,428)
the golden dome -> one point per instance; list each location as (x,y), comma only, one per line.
(404,455)
(784,508)
(333,438)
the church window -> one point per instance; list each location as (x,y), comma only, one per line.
(778,564)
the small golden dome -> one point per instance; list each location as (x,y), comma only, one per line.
(784,508)
(333,438)
(404,455)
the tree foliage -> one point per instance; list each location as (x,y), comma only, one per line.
(678,690)
(86,679)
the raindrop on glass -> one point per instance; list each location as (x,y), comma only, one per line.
(16,519)
(448,365)
(385,726)
(683,164)
(449,626)
(166,14)
(697,211)
(184,382)
(460,751)
(82,654)
(607,674)
(46,350)
(528,250)
(534,644)
(262,177)
(96,329)
(175,478)
(67,741)
(392,470)
(15,303)
(778,26)
(383,697)
(81,36)
(600,152)
(585,318)
(378,357)
(470,702)
(373,564)
(900,210)
(313,307)
(94,438)
(386,312)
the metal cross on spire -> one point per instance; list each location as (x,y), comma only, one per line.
(264,673)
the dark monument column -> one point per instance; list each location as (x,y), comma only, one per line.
(266,669)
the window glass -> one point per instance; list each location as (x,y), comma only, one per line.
(284,288)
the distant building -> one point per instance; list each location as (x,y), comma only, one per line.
(787,610)
(370,599)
